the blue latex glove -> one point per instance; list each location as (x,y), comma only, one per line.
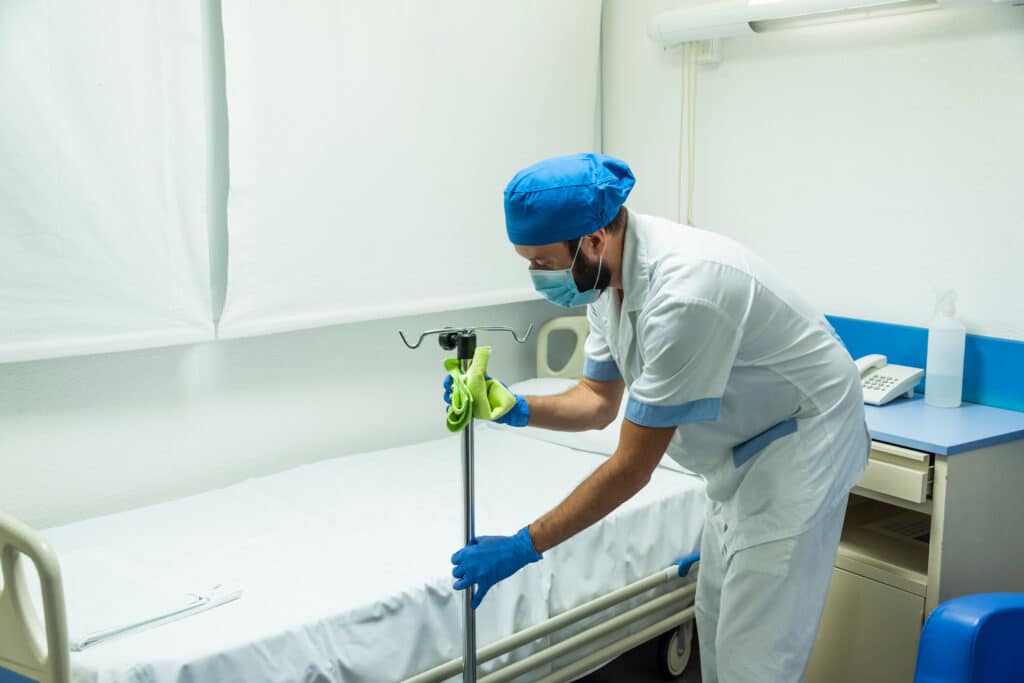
(490,559)
(447,391)
(519,416)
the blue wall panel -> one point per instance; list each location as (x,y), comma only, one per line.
(11,677)
(993,367)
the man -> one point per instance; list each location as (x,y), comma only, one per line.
(729,371)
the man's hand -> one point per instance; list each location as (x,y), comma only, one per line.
(518,416)
(490,559)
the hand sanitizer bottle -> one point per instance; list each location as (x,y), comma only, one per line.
(944,374)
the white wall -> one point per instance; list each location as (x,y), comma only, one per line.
(808,143)
(870,161)
(90,435)
(641,97)
(367,134)
(96,434)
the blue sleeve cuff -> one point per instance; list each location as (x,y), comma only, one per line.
(701,410)
(601,370)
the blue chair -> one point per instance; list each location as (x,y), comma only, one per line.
(973,639)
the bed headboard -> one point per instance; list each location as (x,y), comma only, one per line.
(29,648)
(576,324)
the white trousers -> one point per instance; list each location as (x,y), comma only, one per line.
(758,611)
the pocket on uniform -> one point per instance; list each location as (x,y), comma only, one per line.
(743,452)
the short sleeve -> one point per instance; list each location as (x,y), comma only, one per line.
(598,363)
(688,348)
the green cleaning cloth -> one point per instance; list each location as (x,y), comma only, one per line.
(460,410)
(474,394)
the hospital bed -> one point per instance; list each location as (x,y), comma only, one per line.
(339,570)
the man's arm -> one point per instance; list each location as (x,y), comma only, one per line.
(611,484)
(588,405)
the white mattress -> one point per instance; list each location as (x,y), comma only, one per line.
(345,564)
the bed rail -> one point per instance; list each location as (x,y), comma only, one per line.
(30,648)
(681,597)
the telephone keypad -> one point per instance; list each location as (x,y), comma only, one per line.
(879,382)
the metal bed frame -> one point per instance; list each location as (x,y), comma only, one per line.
(39,649)
(679,597)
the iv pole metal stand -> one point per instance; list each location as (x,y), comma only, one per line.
(464,342)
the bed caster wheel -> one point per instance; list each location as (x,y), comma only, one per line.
(674,650)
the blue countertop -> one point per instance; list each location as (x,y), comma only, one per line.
(946,431)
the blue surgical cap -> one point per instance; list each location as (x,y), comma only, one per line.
(563,198)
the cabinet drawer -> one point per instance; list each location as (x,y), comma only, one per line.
(898,472)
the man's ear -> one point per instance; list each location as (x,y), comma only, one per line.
(596,242)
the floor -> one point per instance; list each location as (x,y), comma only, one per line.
(641,666)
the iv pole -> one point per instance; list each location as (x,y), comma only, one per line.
(464,342)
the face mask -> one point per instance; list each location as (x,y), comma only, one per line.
(559,286)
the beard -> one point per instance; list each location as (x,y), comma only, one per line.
(585,273)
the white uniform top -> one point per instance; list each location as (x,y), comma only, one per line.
(766,400)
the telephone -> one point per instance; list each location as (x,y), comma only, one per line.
(883,382)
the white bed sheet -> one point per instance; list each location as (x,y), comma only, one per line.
(344,564)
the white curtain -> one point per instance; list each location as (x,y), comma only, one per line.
(103,242)
(370,143)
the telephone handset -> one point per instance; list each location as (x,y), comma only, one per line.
(882,382)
